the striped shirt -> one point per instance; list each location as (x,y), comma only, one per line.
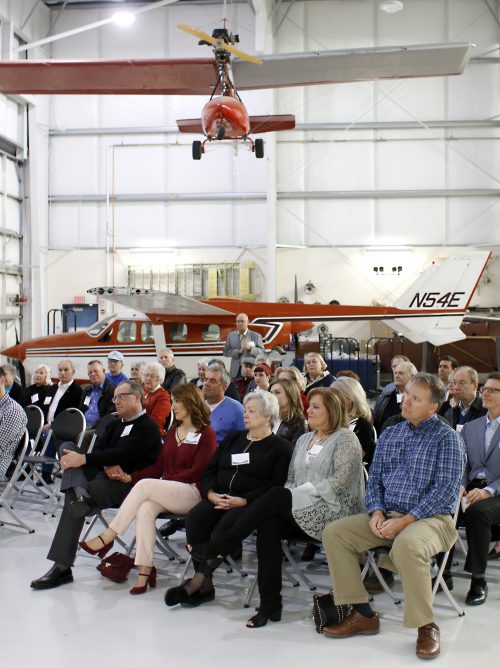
(13,422)
(416,470)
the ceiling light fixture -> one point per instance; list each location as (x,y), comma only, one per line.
(391,6)
(123,19)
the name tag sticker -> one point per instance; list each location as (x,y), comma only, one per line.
(240,458)
(127,430)
(315,450)
(47,401)
(34,398)
(459,427)
(86,401)
(192,438)
(399,397)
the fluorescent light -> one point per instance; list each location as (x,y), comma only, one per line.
(387,249)
(290,246)
(123,19)
(153,249)
(391,6)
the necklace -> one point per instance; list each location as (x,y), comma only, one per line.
(315,440)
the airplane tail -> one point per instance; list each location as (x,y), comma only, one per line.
(442,295)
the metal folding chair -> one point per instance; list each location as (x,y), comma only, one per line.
(10,487)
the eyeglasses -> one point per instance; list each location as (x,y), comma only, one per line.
(488,389)
(460,383)
(119,397)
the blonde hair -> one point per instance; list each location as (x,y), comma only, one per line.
(318,357)
(294,409)
(354,391)
(297,376)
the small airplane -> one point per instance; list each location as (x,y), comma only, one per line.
(431,309)
(225,117)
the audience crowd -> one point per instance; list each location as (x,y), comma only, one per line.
(279,453)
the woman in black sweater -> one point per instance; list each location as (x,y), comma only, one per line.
(360,415)
(245,466)
(291,422)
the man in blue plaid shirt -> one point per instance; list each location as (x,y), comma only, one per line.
(412,492)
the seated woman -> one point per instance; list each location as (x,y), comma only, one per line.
(156,400)
(316,372)
(201,367)
(359,413)
(137,372)
(36,393)
(291,424)
(245,466)
(261,375)
(189,446)
(325,481)
(293,374)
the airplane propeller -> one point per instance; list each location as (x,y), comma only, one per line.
(219,43)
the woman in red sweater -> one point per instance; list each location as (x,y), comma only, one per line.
(156,400)
(189,445)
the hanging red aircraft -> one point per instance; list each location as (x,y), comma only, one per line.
(225,117)
(431,309)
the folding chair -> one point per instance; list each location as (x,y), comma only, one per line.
(4,501)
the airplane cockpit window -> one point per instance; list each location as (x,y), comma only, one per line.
(178,331)
(147,332)
(98,327)
(210,333)
(127,332)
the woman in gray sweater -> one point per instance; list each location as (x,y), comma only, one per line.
(325,482)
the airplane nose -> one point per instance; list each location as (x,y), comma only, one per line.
(15,352)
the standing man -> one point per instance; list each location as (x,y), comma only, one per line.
(412,493)
(173,375)
(470,406)
(482,481)
(115,373)
(131,442)
(13,422)
(242,343)
(226,413)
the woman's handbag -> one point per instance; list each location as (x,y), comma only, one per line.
(326,612)
(116,567)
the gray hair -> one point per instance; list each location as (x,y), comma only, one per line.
(268,404)
(135,388)
(69,362)
(10,368)
(167,350)
(409,367)
(473,375)
(158,368)
(433,384)
(224,376)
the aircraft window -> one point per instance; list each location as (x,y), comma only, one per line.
(178,331)
(210,333)
(147,332)
(98,327)
(127,332)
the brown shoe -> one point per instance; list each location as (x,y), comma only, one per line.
(428,646)
(353,625)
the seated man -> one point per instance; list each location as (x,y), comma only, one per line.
(226,413)
(132,441)
(482,482)
(411,497)
(389,403)
(115,373)
(465,388)
(173,375)
(13,423)
(97,398)
(246,382)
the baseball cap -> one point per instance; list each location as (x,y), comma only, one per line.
(116,355)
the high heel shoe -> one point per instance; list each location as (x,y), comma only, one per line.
(150,580)
(101,552)
(261,618)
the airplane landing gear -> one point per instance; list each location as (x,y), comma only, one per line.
(197,150)
(258,148)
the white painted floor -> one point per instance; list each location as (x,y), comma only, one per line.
(93,622)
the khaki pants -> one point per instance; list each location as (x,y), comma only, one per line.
(147,499)
(345,539)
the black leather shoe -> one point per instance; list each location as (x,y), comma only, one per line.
(199,598)
(170,527)
(56,577)
(493,555)
(477,594)
(80,507)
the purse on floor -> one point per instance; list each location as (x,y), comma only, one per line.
(116,567)
(326,612)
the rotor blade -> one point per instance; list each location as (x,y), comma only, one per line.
(219,44)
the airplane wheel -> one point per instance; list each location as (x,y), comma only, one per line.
(197,150)
(259,148)
(221,132)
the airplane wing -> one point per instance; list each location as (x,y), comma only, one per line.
(197,76)
(159,303)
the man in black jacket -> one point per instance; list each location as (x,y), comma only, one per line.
(132,442)
(465,386)
(173,375)
(97,398)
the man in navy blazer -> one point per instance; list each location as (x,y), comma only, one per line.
(482,483)
(242,343)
